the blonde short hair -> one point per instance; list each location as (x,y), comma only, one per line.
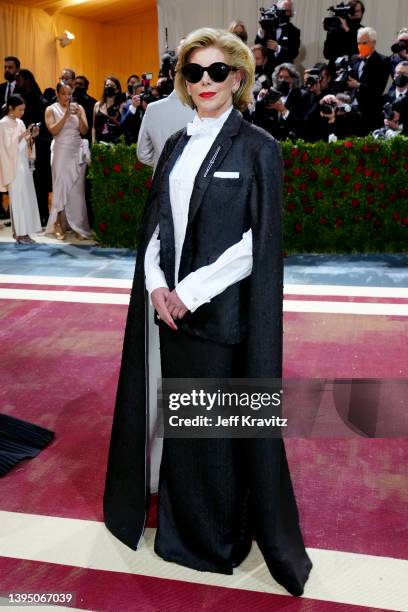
(237,23)
(236,53)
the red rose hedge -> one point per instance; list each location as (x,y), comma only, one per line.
(119,188)
(346,197)
(351,196)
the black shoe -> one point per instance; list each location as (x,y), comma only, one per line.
(7,224)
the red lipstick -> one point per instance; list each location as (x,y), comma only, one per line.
(207,94)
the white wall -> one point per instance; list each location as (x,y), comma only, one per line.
(182,16)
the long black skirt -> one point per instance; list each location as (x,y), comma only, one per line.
(211,503)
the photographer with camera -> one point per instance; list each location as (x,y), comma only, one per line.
(342,28)
(371,76)
(399,50)
(132,114)
(395,119)
(338,119)
(278,34)
(106,116)
(132,82)
(281,109)
(317,83)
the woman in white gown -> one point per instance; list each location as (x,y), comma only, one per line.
(16,143)
(66,121)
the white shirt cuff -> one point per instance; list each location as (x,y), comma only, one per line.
(191,294)
(132,109)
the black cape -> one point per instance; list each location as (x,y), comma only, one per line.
(275,516)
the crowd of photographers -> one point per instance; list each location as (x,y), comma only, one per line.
(347,95)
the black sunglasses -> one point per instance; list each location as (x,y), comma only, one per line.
(218,72)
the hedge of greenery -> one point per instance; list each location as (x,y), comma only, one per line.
(119,188)
(349,196)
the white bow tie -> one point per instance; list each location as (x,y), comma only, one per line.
(195,128)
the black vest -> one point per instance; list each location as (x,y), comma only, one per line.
(218,217)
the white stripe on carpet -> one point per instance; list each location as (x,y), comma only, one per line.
(355,308)
(78,281)
(346,290)
(313,306)
(290,289)
(343,577)
(84,297)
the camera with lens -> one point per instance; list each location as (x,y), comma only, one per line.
(313,77)
(272,96)
(328,109)
(388,111)
(344,71)
(333,23)
(168,62)
(147,97)
(401,45)
(272,19)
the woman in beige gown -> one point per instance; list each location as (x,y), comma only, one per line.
(66,121)
(16,145)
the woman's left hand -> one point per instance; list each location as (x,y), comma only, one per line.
(175,306)
(35,131)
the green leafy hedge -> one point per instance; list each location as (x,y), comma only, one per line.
(346,196)
(341,197)
(119,188)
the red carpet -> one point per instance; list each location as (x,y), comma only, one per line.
(62,367)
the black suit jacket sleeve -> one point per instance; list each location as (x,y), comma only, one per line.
(266,280)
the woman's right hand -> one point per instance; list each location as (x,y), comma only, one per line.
(158,297)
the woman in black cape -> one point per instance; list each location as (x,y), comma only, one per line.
(210,262)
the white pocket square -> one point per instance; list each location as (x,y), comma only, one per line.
(227,175)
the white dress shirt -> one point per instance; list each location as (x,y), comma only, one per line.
(231,266)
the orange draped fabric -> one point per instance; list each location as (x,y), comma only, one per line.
(99,49)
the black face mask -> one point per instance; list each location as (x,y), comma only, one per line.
(80,92)
(9,77)
(131,89)
(283,87)
(109,92)
(401,80)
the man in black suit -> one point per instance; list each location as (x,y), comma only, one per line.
(397,95)
(285,48)
(371,70)
(11,67)
(284,118)
(80,95)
